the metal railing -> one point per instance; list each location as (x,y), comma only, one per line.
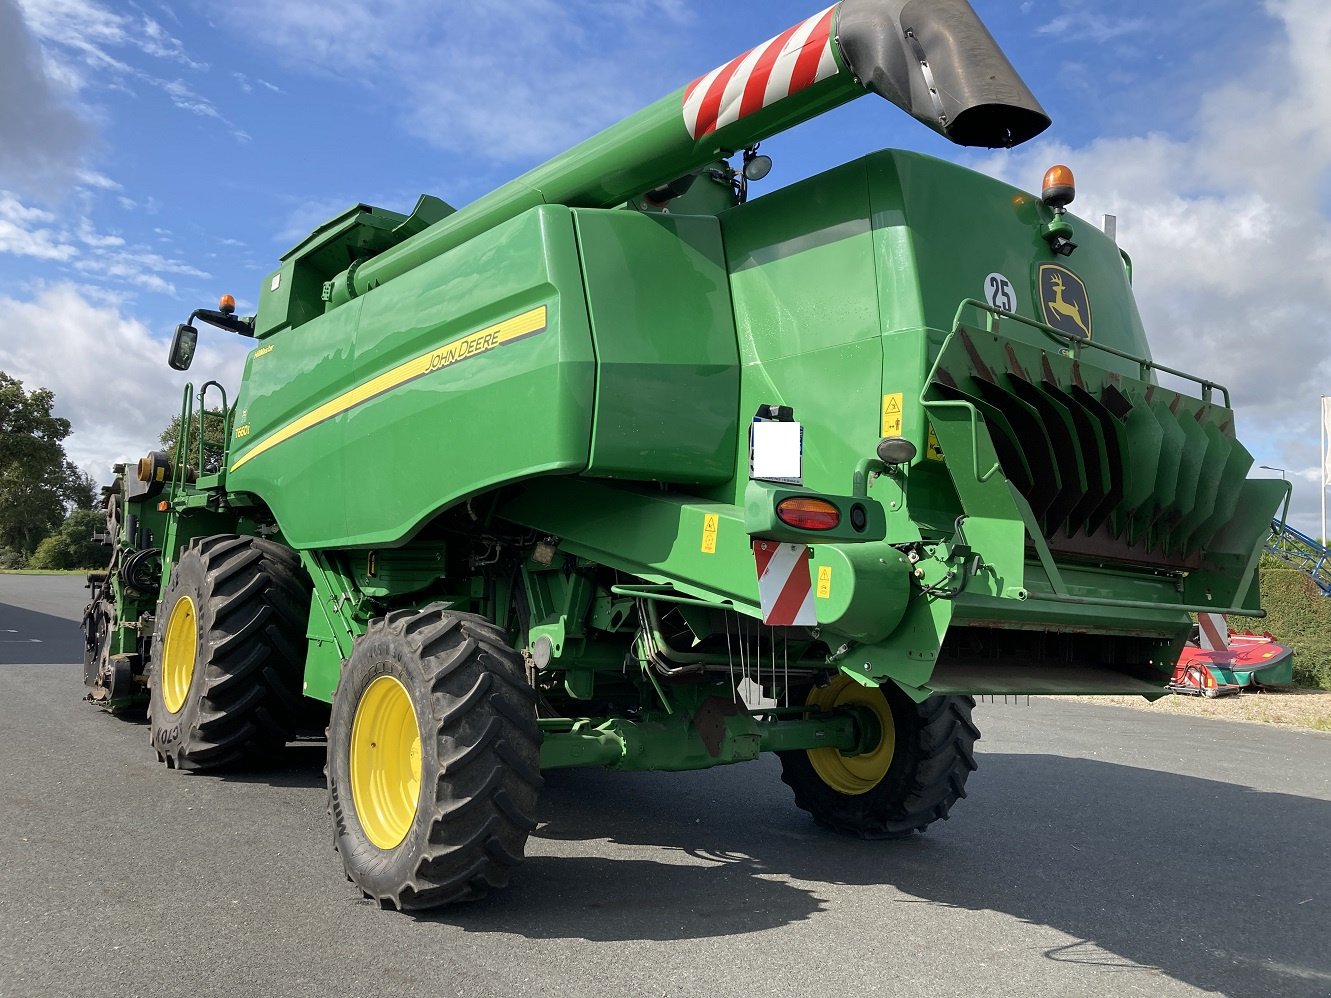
(1077,343)
(1299,550)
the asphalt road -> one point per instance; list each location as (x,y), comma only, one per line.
(1101,851)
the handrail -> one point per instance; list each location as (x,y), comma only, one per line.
(182,439)
(203,411)
(1145,365)
(1135,604)
(958,404)
(669,594)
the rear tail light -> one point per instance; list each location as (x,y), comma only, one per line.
(808,514)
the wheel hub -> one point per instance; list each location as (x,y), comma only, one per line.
(179,649)
(385,762)
(859,772)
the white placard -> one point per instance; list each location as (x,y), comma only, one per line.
(775,452)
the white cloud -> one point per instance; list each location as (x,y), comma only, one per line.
(40,244)
(13,210)
(42,140)
(1097,28)
(183,97)
(560,70)
(24,231)
(138,268)
(89,31)
(247,85)
(91,237)
(98,181)
(1230,237)
(36,233)
(85,41)
(187,100)
(108,371)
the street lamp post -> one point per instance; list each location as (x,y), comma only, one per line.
(1324,473)
(1282,471)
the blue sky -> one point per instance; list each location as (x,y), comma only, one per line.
(154,155)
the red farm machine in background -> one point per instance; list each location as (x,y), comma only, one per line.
(1217,662)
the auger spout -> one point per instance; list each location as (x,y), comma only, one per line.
(935,60)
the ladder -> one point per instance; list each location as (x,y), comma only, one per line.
(1301,551)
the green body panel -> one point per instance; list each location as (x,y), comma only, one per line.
(1094,501)
(657,536)
(806,311)
(662,539)
(546,421)
(284,378)
(293,294)
(337,618)
(1281,673)
(667,385)
(437,434)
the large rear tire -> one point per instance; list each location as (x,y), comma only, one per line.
(433,760)
(228,654)
(907,779)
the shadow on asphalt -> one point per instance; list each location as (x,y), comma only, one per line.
(1212,883)
(28,637)
(300,766)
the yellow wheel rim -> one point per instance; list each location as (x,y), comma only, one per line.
(179,649)
(385,762)
(854,774)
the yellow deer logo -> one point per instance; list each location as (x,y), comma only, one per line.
(1071,316)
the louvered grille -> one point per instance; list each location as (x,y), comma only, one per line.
(1113,468)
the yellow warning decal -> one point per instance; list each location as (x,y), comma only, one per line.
(892,414)
(824,581)
(463,348)
(711,522)
(263,351)
(932,451)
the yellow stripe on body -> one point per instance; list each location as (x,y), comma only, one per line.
(436,359)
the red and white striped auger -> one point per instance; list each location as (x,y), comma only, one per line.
(765,74)
(904,50)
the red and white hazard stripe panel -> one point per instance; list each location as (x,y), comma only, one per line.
(785,586)
(784,65)
(1215,631)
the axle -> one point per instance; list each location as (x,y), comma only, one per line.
(718,733)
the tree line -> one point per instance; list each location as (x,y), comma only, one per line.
(50,509)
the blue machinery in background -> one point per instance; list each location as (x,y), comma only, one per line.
(1301,551)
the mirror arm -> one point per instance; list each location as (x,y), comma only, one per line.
(244,325)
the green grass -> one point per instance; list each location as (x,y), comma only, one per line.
(1299,616)
(46,571)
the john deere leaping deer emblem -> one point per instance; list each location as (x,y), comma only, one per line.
(1064,301)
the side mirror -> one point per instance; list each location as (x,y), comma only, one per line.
(182,347)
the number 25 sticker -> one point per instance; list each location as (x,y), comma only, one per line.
(998,292)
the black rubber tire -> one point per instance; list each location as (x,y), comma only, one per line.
(480,759)
(934,754)
(98,617)
(253,603)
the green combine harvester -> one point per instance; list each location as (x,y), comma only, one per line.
(617,467)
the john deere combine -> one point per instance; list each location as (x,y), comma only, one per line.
(617,467)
